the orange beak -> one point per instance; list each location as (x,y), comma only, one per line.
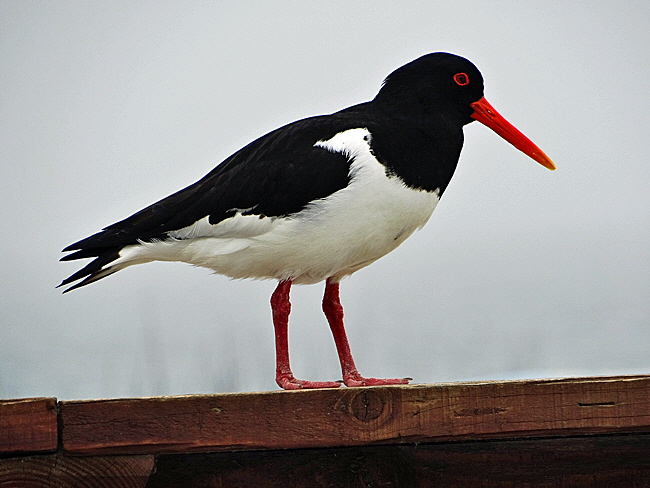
(485,114)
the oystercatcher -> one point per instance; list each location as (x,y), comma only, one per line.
(317,199)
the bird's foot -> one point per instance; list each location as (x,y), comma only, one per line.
(355,379)
(288,382)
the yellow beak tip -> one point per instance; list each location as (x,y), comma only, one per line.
(550,165)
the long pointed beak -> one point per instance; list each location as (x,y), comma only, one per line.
(485,114)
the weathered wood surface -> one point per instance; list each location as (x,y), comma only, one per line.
(28,425)
(357,416)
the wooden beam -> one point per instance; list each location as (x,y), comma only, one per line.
(28,425)
(577,462)
(357,416)
(569,462)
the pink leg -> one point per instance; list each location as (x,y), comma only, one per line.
(281,308)
(334,313)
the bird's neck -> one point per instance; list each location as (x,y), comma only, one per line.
(422,150)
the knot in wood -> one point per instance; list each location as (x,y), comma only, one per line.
(367,405)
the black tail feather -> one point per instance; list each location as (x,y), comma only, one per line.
(91,279)
(87,253)
(92,271)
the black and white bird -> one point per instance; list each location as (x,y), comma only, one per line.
(317,199)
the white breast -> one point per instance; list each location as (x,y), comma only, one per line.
(331,237)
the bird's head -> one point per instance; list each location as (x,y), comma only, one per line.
(452,85)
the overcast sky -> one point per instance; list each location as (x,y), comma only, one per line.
(521,272)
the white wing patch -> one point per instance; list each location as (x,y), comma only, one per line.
(350,143)
(237,226)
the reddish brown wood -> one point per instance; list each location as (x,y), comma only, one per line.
(28,425)
(357,416)
(574,433)
(62,471)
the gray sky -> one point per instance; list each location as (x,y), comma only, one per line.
(108,106)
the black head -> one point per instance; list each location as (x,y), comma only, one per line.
(433,83)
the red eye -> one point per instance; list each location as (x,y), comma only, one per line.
(461,79)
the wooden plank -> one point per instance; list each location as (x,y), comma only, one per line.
(579,462)
(357,416)
(62,471)
(28,425)
(574,462)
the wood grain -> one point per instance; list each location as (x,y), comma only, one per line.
(62,471)
(28,425)
(357,416)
